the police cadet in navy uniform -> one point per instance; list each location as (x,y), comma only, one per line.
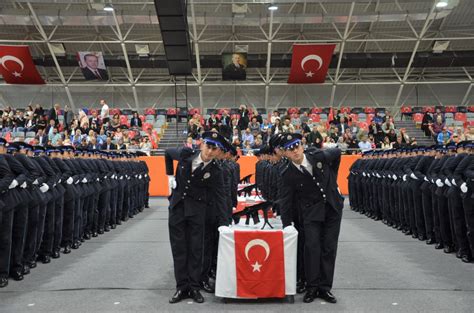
(198,184)
(310,179)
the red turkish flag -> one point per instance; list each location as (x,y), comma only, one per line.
(260,264)
(310,63)
(17,67)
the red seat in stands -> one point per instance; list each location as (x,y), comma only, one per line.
(171,111)
(150,111)
(346,110)
(317,110)
(369,110)
(450,109)
(429,109)
(460,117)
(418,117)
(364,125)
(470,108)
(315,118)
(114,111)
(406,110)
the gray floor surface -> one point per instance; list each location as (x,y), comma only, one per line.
(130,270)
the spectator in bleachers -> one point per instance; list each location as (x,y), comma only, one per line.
(67,141)
(41,138)
(90,135)
(277,128)
(440,114)
(342,125)
(127,139)
(254,126)
(387,126)
(68,117)
(225,124)
(153,137)
(469,134)
(237,143)
(376,130)
(275,115)
(460,133)
(295,121)
(386,144)
(413,141)
(265,126)
(365,144)
(118,134)
(444,137)
(92,145)
(145,145)
(437,126)
(135,122)
(134,145)
(426,123)
(405,136)
(244,116)
(258,116)
(213,121)
(30,124)
(287,126)
(329,143)
(392,136)
(115,123)
(257,144)
(55,136)
(248,137)
(194,127)
(341,144)
(266,136)
(29,110)
(94,118)
(121,145)
(49,129)
(38,111)
(304,118)
(54,113)
(333,132)
(104,112)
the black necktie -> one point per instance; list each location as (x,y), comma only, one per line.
(199,168)
(304,170)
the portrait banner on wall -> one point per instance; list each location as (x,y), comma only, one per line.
(92,65)
(234,66)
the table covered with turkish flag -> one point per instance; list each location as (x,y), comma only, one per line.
(254,263)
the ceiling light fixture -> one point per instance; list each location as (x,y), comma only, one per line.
(442,4)
(108,7)
(273,7)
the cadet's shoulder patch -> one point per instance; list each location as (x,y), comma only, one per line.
(284,168)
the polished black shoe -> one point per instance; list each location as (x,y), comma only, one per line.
(55,254)
(119,222)
(25,270)
(45,259)
(95,234)
(87,236)
(327,296)
(32,264)
(466,258)
(82,240)
(67,249)
(430,241)
(207,287)
(113,226)
(310,295)
(421,237)
(3,282)
(178,296)
(100,232)
(301,288)
(439,246)
(75,245)
(196,296)
(212,274)
(414,235)
(448,249)
(107,228)
(16,276)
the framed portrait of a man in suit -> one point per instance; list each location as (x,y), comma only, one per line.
(92,65)
(234,66)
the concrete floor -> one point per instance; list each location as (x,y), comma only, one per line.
(130,270)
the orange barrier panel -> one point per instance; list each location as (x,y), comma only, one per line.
(159,181)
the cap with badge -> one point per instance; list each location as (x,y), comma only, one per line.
(290,141)
(37,150)
(12,147)
(25,146)
(214,139)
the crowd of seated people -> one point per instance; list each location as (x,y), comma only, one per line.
(102,129)
(249,130)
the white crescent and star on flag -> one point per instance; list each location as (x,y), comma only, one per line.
(253,243)
(309,57)
(11,58)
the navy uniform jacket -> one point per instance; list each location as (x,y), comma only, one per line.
(312,193)
(198,189)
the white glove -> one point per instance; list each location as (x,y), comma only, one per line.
(289,229)
(412,175)
(426,179)
(97,179)
(140,176)
(44,188)
(447,182)
(146,175)
(35,182)
(463,187)
(105,177)
(453,182)
(59,181)
(363,174)
(224,229)
(121,177)
(439,183)
(378,175)
(234,208)
(23,185)
(69,180)
(394,177)
(171,182)
(13,184)
(84,180)
(405,177)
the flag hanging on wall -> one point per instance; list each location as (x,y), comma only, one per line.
(17,67)
(310,63)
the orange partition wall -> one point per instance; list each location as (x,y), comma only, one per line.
(159,181)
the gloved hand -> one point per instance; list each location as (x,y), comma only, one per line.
(171,183)
(234,208)
(23,185)
(59,181)
(69,180)
(463,187)
(405,177)
(224,229)
(140,176)
(146,175)
(121,177)
(289,229)
(439,183)
(378,175)
(105,177)
(363,174)
(426,179)
(453,181)
(13,184)
(35,182)
(412,175)
(394,177)
(84,180)
(44,188)
(447,182)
